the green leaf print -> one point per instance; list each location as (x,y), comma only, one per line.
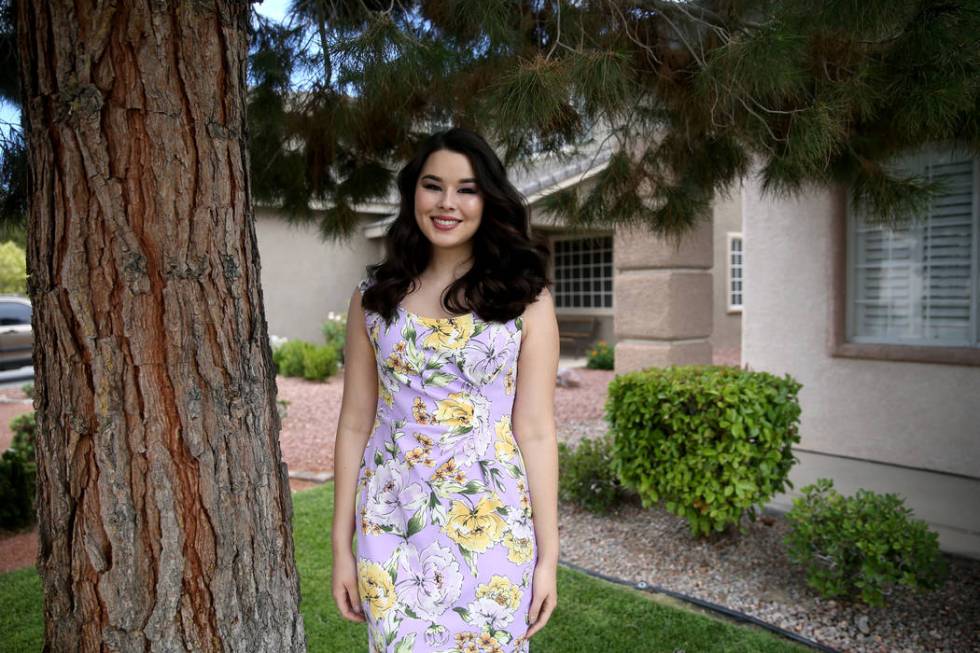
(470,558)
(474,487)
(378,458)
(502,636)
(410,613)
(439,379)
(463,613)
(406,644)
(416,523)
(512,470)
(408,332)
(391,566)
(495,475)
(519,323)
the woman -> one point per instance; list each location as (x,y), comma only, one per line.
(446,459)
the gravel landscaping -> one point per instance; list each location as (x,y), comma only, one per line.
(751,574)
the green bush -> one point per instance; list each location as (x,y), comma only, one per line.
(712,442)
(23,428)
(600,356)
(319,362)
(17,485)
(13,269)
(586,477)
(289,357)
(860,547)
(335,332)
(18,475)
(28,389)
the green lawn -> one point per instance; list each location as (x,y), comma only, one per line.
(592,615)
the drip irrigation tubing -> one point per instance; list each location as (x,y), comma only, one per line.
(734,615)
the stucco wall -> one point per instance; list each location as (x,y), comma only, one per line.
(905,419)
(304,278)
(726,333)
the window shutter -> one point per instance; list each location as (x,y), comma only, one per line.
(917,284)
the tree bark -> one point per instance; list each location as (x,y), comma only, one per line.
(164,509)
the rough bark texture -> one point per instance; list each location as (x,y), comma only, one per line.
(164,509)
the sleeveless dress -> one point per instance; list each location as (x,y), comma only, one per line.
(444,542)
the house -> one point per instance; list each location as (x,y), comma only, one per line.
(881,327)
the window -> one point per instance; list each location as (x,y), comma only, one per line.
(917,285)
(734,272)
(14,313)
(583,272)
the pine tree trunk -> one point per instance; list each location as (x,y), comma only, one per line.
(164,509)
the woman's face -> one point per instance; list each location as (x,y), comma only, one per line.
(447,188)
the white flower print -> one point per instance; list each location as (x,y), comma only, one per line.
(520,524)
(484,358)
(470,441)
(436,635)
(428,580)
(391,499)
(488,615)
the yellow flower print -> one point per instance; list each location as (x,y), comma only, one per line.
(501,590)
(455,410)
(397,364)
(506,446)
(450,333)
(519,550)
(422,416)
(445,470)
(375,586)
(385,394)
(477,529)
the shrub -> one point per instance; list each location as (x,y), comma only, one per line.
(586,477)
(289,357)
(319,362)
(712,442)
(17,485)
(600,356)
(23,428)
(335,332)
(861,546)
(18,475)
(28,389)
(13,269)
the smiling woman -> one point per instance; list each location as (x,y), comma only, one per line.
(446,446)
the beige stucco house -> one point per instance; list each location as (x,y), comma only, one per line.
(882,329)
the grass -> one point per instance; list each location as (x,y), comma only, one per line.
(592,614)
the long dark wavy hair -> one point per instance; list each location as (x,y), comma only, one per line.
(509,263)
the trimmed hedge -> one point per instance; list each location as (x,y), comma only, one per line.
(711,442)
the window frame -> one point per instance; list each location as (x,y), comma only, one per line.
(839,345)
(730,237)
(583,310)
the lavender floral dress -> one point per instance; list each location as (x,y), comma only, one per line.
(444,543)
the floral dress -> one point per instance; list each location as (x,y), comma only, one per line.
(445,544)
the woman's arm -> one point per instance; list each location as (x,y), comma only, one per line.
(357,413)
(533,422)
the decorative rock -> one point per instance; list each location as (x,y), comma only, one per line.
(569,378)
(862,624)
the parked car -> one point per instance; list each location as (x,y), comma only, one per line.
(16,334)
